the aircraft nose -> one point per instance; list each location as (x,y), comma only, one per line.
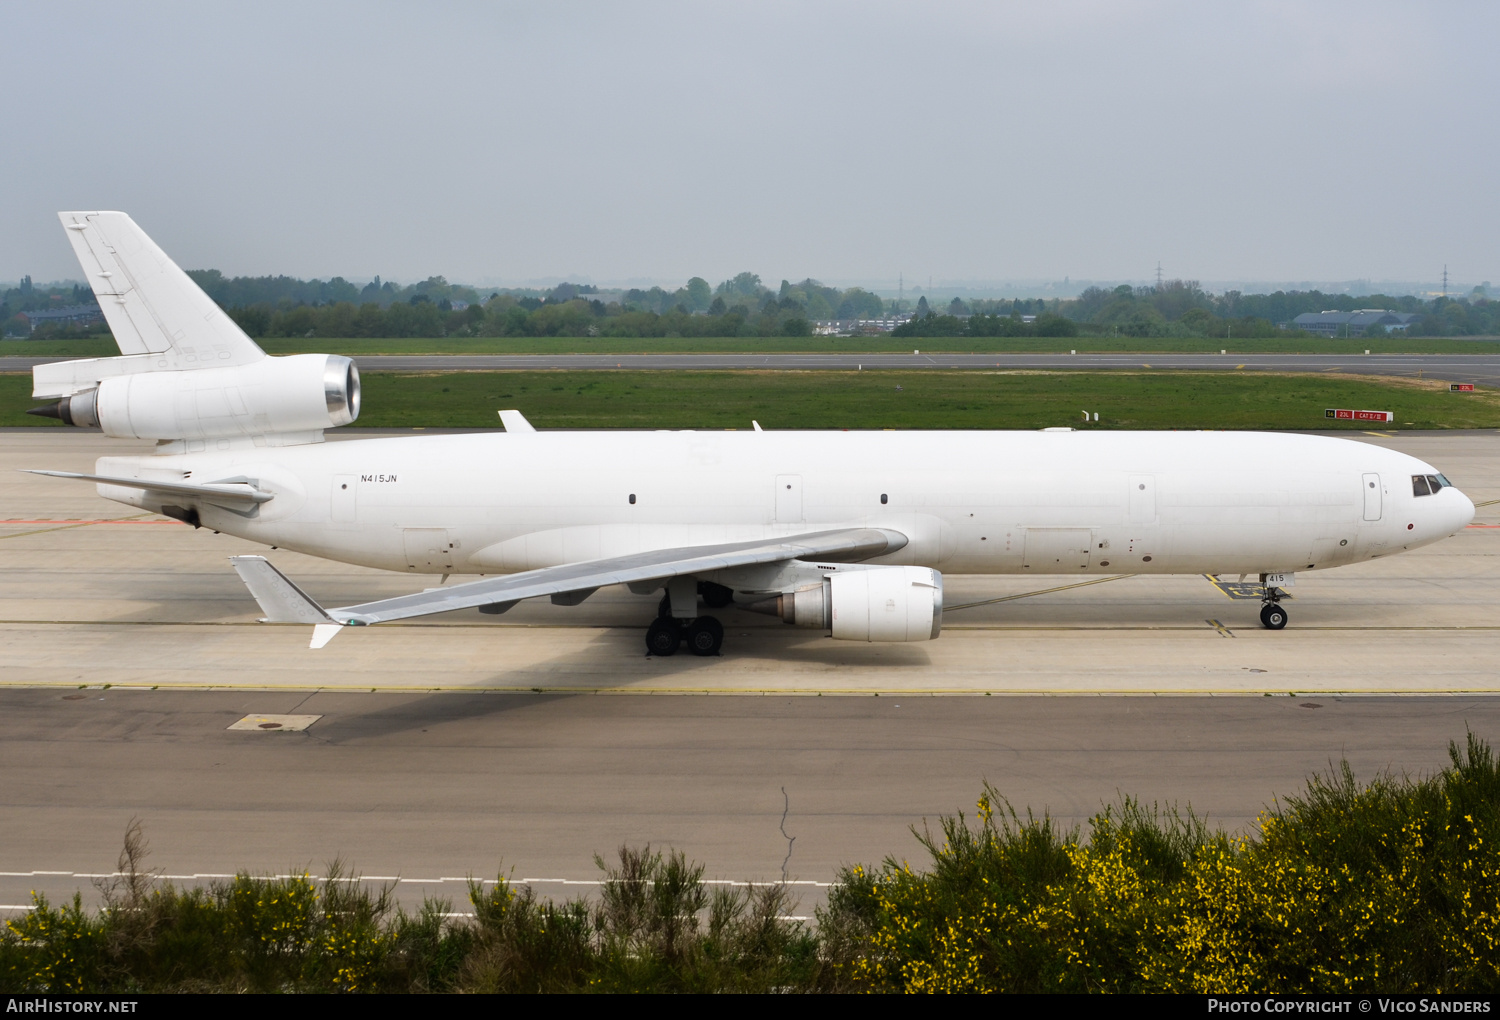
(1463,512)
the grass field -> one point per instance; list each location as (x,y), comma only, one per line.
(914,399)
(104,347)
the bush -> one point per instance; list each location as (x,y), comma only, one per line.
(1391,887)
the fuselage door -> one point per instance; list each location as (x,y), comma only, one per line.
(1057,550)
(345,498)
(428,550)
(788,499)
(1373,501)
(1142,499)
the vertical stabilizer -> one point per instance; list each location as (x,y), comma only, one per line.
(152,306)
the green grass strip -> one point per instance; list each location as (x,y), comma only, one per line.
(911,399)
(895,399)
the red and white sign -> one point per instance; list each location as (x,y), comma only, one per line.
(1344,414)
(1461,387)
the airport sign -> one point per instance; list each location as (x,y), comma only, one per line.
(1343,414)
(1461,387)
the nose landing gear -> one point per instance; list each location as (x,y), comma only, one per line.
(1272,615)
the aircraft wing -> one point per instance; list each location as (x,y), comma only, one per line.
(658,564)
(223,493)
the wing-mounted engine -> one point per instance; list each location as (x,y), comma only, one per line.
(866,604)
(298,394)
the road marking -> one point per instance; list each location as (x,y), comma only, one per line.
(1223,630)
(1243,590)
(862,692)
(1029,594)
(74,522)
(80,524)
(209,876)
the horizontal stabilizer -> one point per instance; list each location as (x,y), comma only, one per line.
(515,421)
(226,493)
(281,600)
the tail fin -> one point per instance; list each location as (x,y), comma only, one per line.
(151,305)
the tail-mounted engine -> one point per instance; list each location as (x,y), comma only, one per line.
(301,393)
(868,604)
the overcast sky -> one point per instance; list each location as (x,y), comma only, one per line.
(848,141)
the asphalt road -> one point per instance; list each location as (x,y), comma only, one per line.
(431,788)
(1483,369)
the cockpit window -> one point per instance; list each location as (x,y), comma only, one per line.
(1441,479)
(1419,486)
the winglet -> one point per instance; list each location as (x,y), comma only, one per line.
(515,421)
(281,600)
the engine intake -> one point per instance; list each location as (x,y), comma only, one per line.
(301,393)
(871,604)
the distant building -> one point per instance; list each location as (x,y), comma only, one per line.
(71,315)
(853,327)
(1353,323)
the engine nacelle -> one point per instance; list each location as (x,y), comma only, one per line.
(872,604)
(301,393)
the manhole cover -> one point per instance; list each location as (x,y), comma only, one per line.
(276,723)
(74,697)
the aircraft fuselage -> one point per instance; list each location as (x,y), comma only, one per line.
(1058,502)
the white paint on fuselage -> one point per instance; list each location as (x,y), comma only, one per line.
(970,502)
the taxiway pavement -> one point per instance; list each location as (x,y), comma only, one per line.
(1482,368)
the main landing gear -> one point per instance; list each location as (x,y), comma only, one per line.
(703,636)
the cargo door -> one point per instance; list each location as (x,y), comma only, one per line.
(428,550)
(1374,504)
(788,499)
(1057,550)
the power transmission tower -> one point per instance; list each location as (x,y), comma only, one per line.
(1158,274)
(1445,279)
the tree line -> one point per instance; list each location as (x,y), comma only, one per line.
(1183,308)
(283,306)
(743,306)
(740,306)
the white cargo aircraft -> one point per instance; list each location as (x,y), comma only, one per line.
(843,532)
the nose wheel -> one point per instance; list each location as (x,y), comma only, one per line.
(1272,616)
